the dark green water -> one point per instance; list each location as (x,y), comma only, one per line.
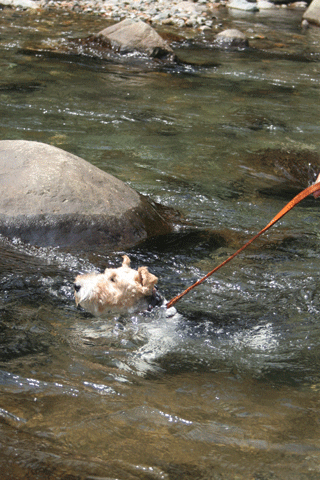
(230,387)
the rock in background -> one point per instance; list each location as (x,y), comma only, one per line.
(132,35)
(231,38)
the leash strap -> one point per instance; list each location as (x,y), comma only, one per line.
(297,199)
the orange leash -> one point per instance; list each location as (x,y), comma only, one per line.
(313,188)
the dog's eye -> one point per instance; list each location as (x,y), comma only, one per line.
(113,278)
(76,287)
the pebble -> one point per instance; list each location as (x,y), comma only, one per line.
(180,13)
(183,13)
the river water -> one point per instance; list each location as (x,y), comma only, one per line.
(229,387)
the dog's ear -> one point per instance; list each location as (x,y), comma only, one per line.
(146,280)
(126,261)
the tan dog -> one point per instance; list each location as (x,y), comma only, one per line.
(317,194)
(117,289)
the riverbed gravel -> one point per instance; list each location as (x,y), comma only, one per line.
(178,13)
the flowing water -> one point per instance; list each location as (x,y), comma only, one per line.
(229,387)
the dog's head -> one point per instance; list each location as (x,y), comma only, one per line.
(117,289)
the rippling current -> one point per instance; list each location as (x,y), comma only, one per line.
(229,387)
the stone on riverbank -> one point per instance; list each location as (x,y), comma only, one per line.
(24,4)
(134,35)
(243,5)
(312,14)
(51,197)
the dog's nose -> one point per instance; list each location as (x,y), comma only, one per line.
(76,287)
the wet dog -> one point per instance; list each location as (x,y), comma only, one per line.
(317,194)
(117,290)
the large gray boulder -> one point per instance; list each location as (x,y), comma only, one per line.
(51,197)
(134,35)
(312,14)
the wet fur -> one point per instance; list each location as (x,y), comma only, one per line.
(117,289)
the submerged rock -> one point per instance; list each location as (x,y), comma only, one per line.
(51,197)
(131,41)
(130,36)
(288,171)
